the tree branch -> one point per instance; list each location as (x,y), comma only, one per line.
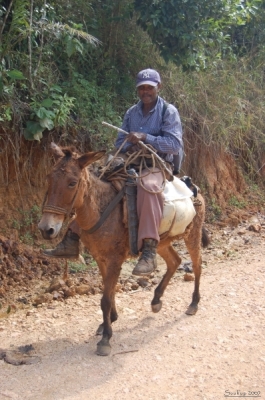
(6,16)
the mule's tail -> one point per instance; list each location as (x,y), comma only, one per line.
(205,238)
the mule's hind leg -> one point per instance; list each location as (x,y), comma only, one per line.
(172,260)
(193,243)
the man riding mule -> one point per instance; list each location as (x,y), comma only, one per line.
(153,123)
(72,186)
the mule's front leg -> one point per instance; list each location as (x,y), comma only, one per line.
(110,278)
(113,318)
(103,346)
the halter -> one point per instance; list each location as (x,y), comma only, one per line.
(49,208)
(62,211)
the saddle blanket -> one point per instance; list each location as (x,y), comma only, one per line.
(178,210)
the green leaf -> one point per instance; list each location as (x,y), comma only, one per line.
(47,103)
(38,136)
(46,123)
(56,88)
(32,128)
(15,74)
(41,113)
(57,102)
(70,48)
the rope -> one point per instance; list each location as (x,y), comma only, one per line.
(143,162)
(138,158)
(143,145)
(54,210)
(112,159)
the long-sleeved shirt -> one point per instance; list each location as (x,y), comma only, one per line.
(164,133)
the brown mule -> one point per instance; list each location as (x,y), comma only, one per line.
(71,186)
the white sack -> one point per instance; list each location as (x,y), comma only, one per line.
(178,208)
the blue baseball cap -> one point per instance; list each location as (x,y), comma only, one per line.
(148,77)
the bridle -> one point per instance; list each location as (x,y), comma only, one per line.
(49,208)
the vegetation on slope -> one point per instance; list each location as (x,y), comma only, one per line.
(67,66)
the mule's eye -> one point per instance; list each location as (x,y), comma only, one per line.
(72,184)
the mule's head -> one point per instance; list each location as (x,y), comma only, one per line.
(67,183)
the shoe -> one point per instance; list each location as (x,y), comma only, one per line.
(147,261)
(67,248)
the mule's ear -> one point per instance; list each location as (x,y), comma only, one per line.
(89,158)
(56,151)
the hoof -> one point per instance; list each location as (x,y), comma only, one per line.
(192,310)
(156,307)
(100,330)
(103,348)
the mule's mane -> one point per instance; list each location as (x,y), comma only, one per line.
(70,151)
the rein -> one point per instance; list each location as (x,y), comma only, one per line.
(107,212)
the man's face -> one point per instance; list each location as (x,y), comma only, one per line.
(147,93)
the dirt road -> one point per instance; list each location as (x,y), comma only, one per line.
(218,353)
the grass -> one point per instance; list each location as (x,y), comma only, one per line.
(223,107)
(235,202)
(214,211)
(78,266)
(26,224)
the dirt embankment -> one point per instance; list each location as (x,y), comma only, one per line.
(25,165)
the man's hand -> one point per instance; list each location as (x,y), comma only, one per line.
(135,137)
(134,148)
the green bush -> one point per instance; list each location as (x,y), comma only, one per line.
(26,224)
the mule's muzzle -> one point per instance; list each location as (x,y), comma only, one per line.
(50,226)
(48,235)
